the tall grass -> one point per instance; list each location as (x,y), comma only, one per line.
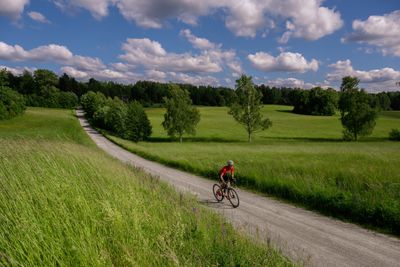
(305,162)
(66,203)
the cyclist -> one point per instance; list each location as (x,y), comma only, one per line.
(227,174)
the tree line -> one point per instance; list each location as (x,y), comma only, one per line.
(44,88)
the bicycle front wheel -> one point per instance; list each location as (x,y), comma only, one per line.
(218,193)
(233,197)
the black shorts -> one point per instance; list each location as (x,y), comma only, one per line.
(227,178)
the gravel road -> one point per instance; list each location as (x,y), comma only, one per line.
(302,235)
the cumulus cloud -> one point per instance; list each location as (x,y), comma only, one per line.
(98,8)
(193,79)
(285,61)
(224,57)
(17,70)
(200,43)
(380,31)
(303,19)
(12,8)
(290,82)
(36,16)
(151,55)
(51,52)
(373,80)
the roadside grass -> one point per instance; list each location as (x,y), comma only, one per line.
(65,202)
(301,159)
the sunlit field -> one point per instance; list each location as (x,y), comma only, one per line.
(64,202)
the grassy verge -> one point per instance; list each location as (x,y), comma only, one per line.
(64,202)
(306,163)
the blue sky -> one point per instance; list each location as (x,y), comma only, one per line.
(302,43)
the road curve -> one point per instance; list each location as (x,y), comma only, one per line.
(302,235)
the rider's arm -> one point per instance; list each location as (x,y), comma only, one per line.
(233,172)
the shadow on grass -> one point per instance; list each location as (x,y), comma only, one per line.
(327,140)
(193,139)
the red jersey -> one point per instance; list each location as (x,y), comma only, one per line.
(226,169)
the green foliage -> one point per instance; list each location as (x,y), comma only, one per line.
(180,117)
(394,135)
(357,116)
(115,116)
(91,102)
(349,83)
(45,78)
(11,103)
(380,101)
(66,203)
(246,110)
(52,97)
(137,125)
(316,101)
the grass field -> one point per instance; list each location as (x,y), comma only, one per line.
(63,202)
(301,159)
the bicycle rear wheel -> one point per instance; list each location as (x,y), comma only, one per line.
(218,193)
(233,197)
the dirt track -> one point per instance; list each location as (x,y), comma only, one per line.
(301,235)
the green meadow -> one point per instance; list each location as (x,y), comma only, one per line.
(301,159)
(64,202)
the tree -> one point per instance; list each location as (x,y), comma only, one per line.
(137,125)
(91,101)
(357,116)
(11,103)
(115,116)
(181,117)
(247,108)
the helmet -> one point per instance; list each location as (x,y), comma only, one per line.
(229,162)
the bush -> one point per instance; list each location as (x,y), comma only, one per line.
(137,125)
(11,103)
(52,97)
(316,101)
(394,135)
(115,116)
(91,102)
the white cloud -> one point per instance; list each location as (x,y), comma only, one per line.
(151,55)
(98,8)
(52,52)
(200,43)
(193,79)
(36,16)
(304,19)
(74,72)
(17,70)
(285,61)
(373,80)
(226,58)
(156,75)
(380,31)
(290,82)
(12,8)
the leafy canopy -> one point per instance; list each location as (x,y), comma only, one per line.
(181,117)
(357,116)
(246,110)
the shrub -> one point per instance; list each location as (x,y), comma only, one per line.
(11,103)
(115,116)
(394,135)
(316,101)
(137,125)
(91,102)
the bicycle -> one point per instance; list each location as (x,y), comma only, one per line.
(226,192)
